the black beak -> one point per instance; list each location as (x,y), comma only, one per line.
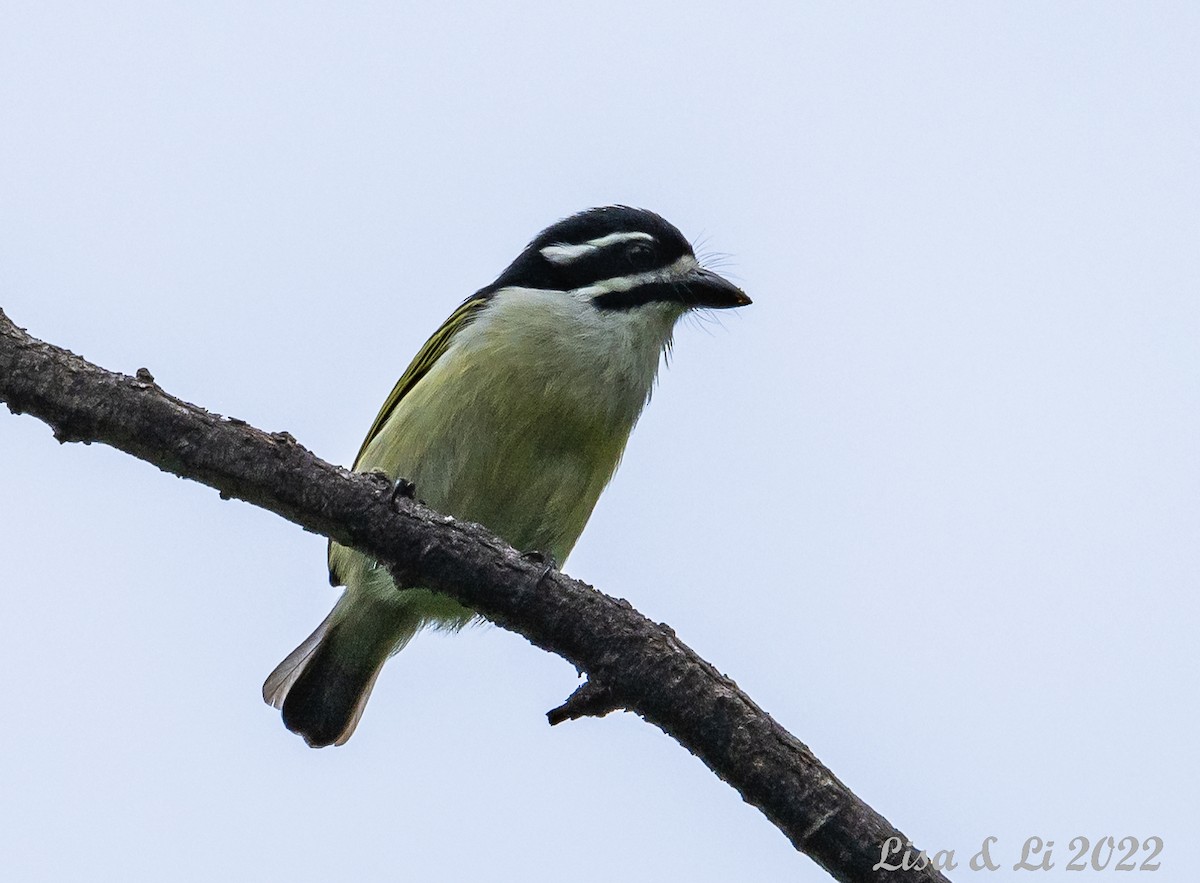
(704,288)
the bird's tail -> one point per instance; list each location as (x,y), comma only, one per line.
(323,685)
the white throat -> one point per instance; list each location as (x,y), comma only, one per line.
(567,349)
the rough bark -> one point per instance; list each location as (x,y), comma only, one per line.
(631,662)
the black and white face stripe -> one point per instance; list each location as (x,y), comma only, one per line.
(621,258)
(650,286)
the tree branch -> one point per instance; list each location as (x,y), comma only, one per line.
(631,662)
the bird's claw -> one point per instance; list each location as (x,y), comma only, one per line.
(403,489)
(539,557)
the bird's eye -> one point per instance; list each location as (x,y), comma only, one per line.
(641,255)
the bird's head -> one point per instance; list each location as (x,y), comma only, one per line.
(619,259)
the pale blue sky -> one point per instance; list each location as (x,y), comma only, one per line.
(933,501)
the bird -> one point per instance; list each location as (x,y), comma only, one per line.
(514,415)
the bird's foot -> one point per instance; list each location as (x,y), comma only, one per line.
(539,557)
(398,488)
(403,489)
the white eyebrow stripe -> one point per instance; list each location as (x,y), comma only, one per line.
(613,238)
(565,254)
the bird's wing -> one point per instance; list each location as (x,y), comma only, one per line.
(421,363)
(418,368)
